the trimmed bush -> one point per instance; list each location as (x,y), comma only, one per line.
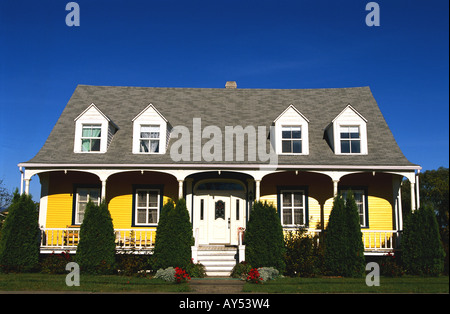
(264,238)
(174,236)
(97,248)
(344,249)
(302,254)
(20,236)
(422,251)
(268,273)
(167,274)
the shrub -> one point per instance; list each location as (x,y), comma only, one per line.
(240,270)
(268,273)
(390,267)
(167,274)
(196,270)
(130,264)
(264,238)
(181,275)
(422,251)
(301,255)
(173,236)
(344,249)
(20,236)
(55,263)
(96,249)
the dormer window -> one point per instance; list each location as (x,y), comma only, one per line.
(150,132)
(149,139)
(291,133)
(350,139)
(347,133)
(93,131)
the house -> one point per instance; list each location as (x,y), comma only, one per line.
(221,149)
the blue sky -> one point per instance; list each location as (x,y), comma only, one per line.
(200,43)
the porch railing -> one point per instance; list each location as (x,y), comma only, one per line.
(68,238)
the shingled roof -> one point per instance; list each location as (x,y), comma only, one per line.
(220,107)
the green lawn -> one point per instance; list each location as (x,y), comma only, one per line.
(405,284)
(89,283)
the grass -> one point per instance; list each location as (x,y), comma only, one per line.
(88,283)
(407,284)
(114,283)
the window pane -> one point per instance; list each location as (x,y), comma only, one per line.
(96,131)
(141,216)
(142,199)
(354,131)
(298,216)
(296,146)
(296,132)
(286,132)
(95,145)
(82,195)
(85,145)
(81,210)
(356,146)
(298,199)
(87,132)
(152,216)
(287,199)
(144,146)
(145,131)
(287,216)
(153,199)
(286,146)
(154,146)
(344,132)
(345,146)
(94,195)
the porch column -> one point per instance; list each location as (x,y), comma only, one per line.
(417,190)
(258,191)
(27,186)
(180,189)
(413,197)
(103,190)
(335,187)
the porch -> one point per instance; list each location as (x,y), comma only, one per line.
(142,241)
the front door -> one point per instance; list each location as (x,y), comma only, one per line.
(219,219)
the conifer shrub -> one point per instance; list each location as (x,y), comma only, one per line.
(174,236)
(20,236)
(96,249)
(422,251)
(344,249)
(264,241)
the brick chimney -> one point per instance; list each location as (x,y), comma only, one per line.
(231,84)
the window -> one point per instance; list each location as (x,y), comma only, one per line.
(291,139)
(91,137)
(350,140)
(293,208)
(82,198)
(360,199)
(147,207)
(149,139)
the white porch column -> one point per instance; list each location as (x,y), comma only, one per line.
(103,190)
(180,188)
(335,187)
(417,190)
(27,186)
(413,197)
(258,191)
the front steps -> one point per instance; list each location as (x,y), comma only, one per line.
(218,260)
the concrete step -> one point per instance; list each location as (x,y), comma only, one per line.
(218,260)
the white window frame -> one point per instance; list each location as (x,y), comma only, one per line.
(291,140)
(88,197)
(292,207)
(362,215)
(291,117)
(150,117)
(348,117)
(90,138)
(350,140)
(149,139)
(147,207)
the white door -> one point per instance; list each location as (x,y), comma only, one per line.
(219,219)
